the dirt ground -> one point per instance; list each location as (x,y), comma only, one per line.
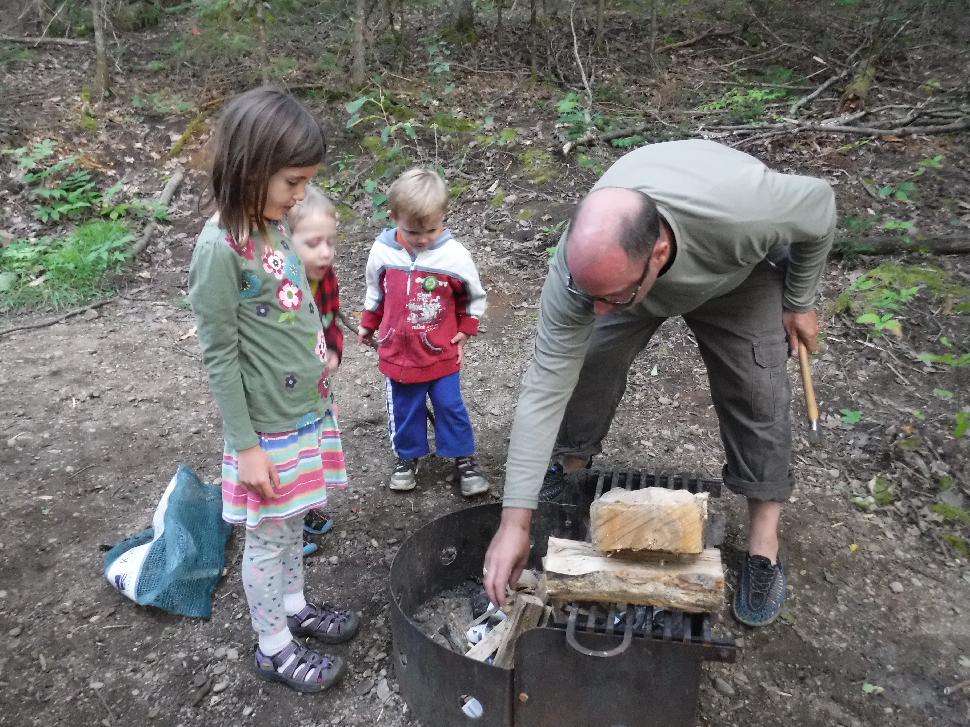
(98,411)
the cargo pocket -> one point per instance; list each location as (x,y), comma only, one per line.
(769,380)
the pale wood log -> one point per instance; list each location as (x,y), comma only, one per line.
(652,518)
(576,572)
(526,614)
(489,643)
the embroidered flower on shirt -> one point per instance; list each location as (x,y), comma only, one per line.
(293,269)
(323,385)
(290,381)
(321,349)
(246,250)
(249,285)
(289,295)
(273,263)
(262,310)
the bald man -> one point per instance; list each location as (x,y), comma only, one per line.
(692,229)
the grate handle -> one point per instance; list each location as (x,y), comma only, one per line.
(604,654)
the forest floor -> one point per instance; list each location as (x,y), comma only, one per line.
(96,413)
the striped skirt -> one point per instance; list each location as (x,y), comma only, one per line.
(308,460)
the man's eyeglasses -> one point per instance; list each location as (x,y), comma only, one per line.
(576,290)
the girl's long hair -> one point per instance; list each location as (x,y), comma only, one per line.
(259,133)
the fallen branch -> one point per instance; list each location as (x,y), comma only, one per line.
(899,131)
(886,245)
(164,199)
(35,41)
(52,321)
(693,41)
(817,92)
(780,129)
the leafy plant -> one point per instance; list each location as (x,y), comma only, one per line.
(881,494)
(888,288)
(161,103)
(933,162)
(64,271)
(745,104)
(851,416)
(13,55)
(952,513)
(884,322)
(440,67)
(575,118)
(75,194)
(900,192)
(947,359)
(962,424)
(893,224)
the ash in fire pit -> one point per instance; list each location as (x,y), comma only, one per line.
(460,618)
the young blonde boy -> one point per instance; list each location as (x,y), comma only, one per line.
(424,299)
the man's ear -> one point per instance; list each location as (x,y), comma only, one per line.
(660,254)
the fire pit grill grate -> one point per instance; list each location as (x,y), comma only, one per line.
(615,666)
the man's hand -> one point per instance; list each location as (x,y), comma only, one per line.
(257,472)
(365,336)
(507,554)
(333,361)
(801,328)
(461,339)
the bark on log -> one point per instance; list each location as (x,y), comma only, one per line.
(576,572)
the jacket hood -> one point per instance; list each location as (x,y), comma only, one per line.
(389,238)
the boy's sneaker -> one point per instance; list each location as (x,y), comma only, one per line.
(403,478)
(761,591)
(472,481)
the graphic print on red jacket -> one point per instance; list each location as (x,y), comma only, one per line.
(418,303)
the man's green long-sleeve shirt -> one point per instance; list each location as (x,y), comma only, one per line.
(728,211)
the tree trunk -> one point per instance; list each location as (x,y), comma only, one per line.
(600,12)
(101,84)
(463,19)
(854,96)
(358,66)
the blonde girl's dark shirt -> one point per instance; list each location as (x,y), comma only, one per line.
(260,334)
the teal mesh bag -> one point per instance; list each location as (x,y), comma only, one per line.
(175,564)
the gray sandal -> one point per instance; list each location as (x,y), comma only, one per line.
(300,668)
(325,623)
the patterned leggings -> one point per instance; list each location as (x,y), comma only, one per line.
(272,572)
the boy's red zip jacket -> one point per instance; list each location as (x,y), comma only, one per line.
(418,303)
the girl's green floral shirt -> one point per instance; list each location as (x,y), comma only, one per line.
(260,334)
